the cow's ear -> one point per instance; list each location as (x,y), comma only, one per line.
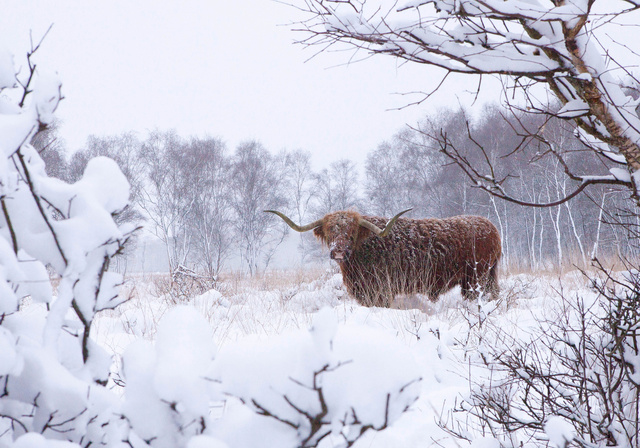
(319,233)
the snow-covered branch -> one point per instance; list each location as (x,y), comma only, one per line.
(549,43)
(69,228)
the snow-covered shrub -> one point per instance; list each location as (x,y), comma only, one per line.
(291,390)
(569,376)
(302,387)
(50,370)
(169,385)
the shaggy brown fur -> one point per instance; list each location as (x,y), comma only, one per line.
(427,256)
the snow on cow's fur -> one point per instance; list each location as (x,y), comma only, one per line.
(426,256)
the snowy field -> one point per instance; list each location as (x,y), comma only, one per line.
(259,326)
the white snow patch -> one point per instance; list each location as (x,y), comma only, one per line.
(620,174)
(574,108)
(559,431)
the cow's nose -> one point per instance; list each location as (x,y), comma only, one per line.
(339,255)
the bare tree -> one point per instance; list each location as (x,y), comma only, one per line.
(325,201)
(386,183)
(257,182)
(441,188)
(207,170)
(345,184)
(300,186)
(163,194)
(300,178)
(52,150)
(337,188)
(557,45)
(124,149)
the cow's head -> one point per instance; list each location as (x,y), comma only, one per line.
(342,231)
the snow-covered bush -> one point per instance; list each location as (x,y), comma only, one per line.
(169,385)
(50,370)
(292,390)
(569,376)
(304,386)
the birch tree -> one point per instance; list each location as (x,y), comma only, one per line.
(124,149)
(300,187)
(336,188)
(256,185)
(207,174)
(164,201)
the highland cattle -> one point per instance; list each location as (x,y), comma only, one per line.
(380,259)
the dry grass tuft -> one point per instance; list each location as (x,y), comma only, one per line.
(280,279)
(237,305)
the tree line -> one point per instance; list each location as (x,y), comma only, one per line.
(205,202)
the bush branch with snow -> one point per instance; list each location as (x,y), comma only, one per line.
(569,375)
(51,369)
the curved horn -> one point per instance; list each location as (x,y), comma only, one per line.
(375,229)
(294,226)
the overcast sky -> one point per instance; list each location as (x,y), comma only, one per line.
(227,69)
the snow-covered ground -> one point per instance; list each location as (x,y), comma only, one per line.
(250,320)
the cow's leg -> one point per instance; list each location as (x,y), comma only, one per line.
(361,296)
(365,295)
(378,300)
(434,293)
(479,280)
(492,282)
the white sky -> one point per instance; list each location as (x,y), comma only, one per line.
(211,67)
